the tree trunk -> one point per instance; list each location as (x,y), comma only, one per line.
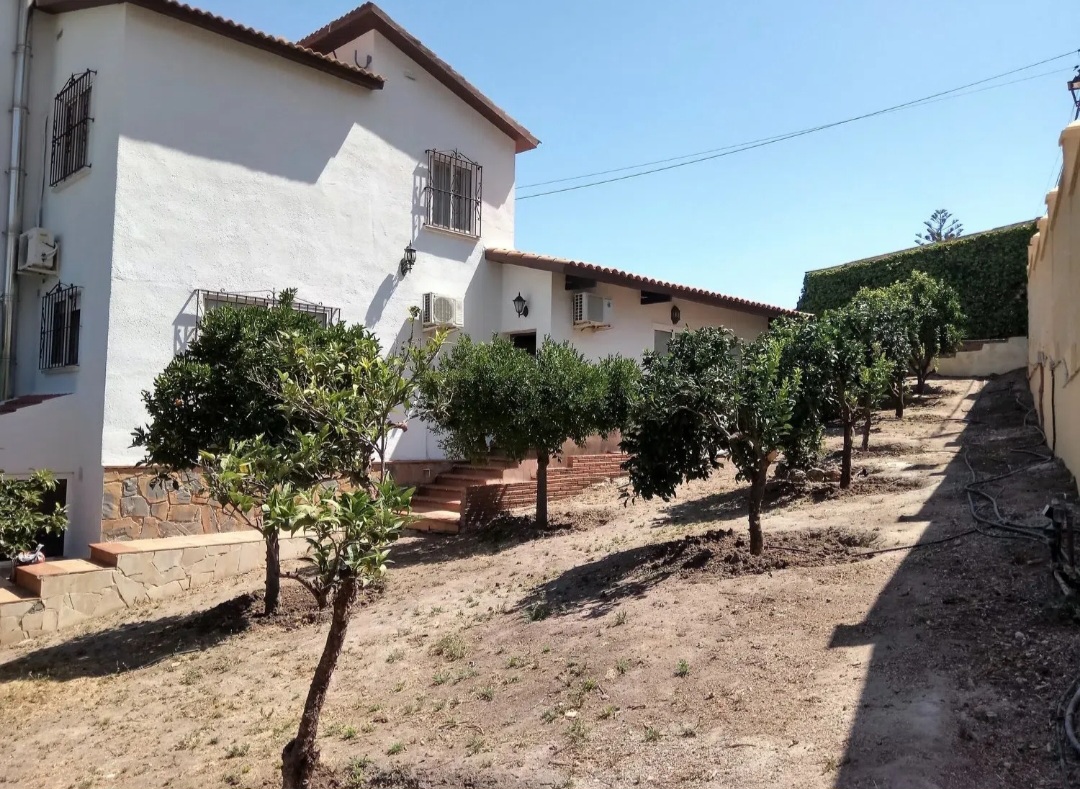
(757,495)
(301,756)
(273,573)
(845,461)
(921,374)
(866,430)
(900,396)
(542,460)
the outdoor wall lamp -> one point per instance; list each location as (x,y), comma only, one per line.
(408,260)
(520,307)
(676,314)
(1074,89)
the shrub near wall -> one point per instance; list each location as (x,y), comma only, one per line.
(989,270)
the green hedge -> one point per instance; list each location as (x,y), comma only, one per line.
(989,270)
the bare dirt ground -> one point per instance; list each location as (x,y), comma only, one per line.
(634,645)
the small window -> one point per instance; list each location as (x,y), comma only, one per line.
(454,192)
(61,320)
(660,342)
(71,127)
(219,299)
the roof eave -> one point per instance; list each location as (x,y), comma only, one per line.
(635,281)
(213,23)
(370,17)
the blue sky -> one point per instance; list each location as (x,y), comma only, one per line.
(605,84)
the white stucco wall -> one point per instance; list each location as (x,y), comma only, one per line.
(985,357)
(64,435)
(633,323)
(244,172)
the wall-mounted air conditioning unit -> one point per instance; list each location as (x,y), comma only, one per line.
(38,252)
(442,311)
(591,311)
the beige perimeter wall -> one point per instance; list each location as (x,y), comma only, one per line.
(1054,309)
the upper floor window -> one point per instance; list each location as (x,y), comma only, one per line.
(71,127)
(454,192)
(61,320)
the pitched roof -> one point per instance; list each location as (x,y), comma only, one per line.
(370,17)
(1013,226)
(613,276)
(297,53)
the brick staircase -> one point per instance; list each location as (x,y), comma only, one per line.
(473,493)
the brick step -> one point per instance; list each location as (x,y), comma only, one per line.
(437,521)
(429,502)
(63,576)
(456,478)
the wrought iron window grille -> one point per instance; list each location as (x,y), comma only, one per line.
(71,127)
(61,323)
(207,300)
(454,192)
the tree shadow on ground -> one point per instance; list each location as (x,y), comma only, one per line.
(954,692)
(728,505)
(135,645)
(500,534)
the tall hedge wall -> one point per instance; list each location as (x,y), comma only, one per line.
(989,270)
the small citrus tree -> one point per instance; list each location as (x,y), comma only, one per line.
(357,397)
(939,319)
(22,516)
(493,396)
(857,373)
(707,397)
(890,314)
(214,400)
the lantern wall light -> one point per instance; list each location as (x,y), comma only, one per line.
(520,306)
(408,260)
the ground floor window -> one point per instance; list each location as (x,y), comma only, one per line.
(61,321)
(661,339)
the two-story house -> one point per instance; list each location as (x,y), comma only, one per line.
(166,161)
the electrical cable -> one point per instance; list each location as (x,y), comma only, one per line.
(716,153)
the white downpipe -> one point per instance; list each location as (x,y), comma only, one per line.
(14,213)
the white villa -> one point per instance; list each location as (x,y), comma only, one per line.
(165,161)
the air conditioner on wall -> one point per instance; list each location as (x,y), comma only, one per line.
(591,311)
(38,252)
(442,311)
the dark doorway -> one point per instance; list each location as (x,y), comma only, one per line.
(526,342)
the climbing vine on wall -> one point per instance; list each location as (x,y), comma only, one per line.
(989,270)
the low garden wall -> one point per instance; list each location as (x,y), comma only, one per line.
(977,358)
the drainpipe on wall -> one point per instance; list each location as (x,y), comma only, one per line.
(14,208)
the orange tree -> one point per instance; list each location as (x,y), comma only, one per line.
(711,397)
(491,396)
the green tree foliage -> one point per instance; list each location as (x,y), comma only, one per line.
(987,270)
(890,314)
(857,373)
(938,320)
(23,518)
(494,397)
(709,397)
(939,227)
(222,388)
(325,476)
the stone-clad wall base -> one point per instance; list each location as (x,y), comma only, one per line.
(58,594)
(137,504)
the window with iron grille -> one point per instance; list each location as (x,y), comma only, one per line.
(454,192)
(71,127)
(61,320)
(218,299)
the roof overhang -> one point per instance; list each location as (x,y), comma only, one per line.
(370,17)
(611,276)
(297,53)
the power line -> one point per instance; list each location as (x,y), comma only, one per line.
(716,153)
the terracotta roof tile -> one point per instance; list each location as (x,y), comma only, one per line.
(370,17)
(226,27)
(614,276)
